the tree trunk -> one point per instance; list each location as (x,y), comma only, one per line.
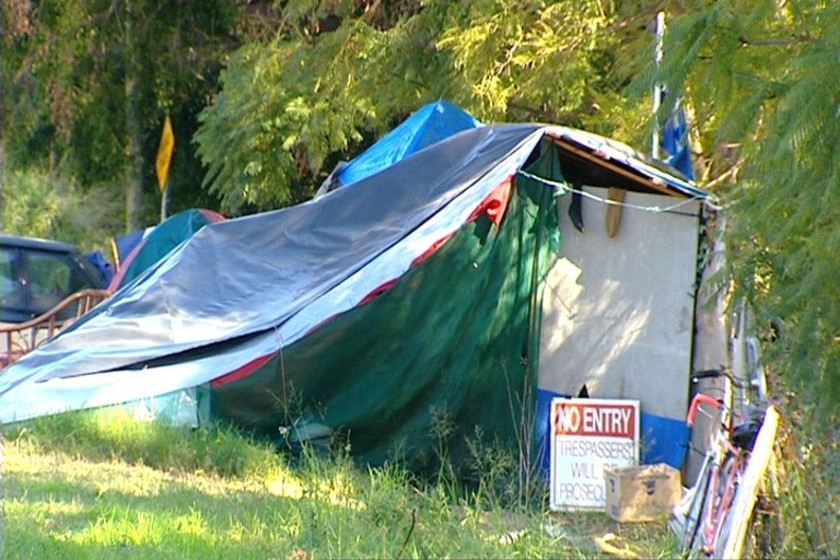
(134,173)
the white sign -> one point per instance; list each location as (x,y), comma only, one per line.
(586,436)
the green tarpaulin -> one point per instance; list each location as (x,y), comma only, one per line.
(449,348)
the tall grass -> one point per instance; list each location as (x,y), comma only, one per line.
(100,485)
(112,434)
(804,516)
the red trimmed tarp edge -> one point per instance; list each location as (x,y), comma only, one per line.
(494,206)
(242,371)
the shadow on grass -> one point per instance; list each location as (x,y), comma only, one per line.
(50,517)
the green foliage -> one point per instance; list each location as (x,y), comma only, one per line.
(266,126)
(65,71)
(804,512)
(54,207)
(760,79)
(765,80)
(289,105)
(60,81)
(524,61)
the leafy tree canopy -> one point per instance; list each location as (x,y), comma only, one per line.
(65,68)
(288,105)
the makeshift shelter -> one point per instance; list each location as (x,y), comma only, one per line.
(398,315)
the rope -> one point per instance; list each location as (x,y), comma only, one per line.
(656,209)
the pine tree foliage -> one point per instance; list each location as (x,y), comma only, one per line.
(763,80)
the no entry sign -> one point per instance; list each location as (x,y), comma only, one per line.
(586,436)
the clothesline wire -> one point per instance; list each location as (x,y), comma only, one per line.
(566,188)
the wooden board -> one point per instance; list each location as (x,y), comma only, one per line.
(747,493)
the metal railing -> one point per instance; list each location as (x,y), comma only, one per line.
(19,339)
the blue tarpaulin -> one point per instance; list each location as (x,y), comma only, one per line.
(428,125)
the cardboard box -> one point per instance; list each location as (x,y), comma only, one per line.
(642,493)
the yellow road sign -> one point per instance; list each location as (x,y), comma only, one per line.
(164,155)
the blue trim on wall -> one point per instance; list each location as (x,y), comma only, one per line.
(664,440)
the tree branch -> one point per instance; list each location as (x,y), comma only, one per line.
(745,42)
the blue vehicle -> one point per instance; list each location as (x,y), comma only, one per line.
(36,274)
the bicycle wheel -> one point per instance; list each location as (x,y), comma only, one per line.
(731,471)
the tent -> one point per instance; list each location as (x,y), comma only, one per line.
(157,241)
(122,245)
(397,315)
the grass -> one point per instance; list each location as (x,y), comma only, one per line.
(806,475)
(96,484)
